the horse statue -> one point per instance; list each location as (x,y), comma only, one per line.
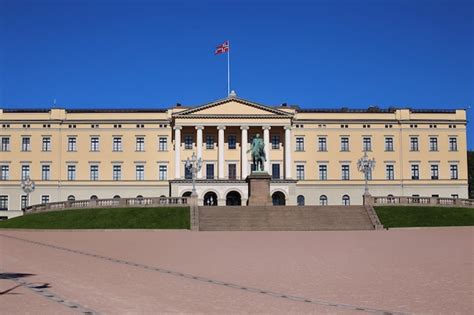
(258,153)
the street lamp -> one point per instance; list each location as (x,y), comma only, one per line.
(194,165)
(366,165)
(28,187)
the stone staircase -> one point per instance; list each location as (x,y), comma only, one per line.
(284,218)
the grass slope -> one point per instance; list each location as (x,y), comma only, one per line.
(105,218)
(406,216)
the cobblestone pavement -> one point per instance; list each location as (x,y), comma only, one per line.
(373,272)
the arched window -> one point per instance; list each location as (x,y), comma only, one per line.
(116,197)
(94,197)
(300,200)
(140,199)
(71,198)
(390,198)
(323,200)
(233,198)
(187,194)
(278,199)
(210,199)
(346,200)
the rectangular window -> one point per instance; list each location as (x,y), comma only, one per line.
(163,172)
(188,142)
(45,172)
(140,172)
(25,172)
(3,202)
(275,170)
(453,168)
(415,172)
(434,171)
(453,144)
(345,144)
(345,172)
(388,144)
(71,172)
(232,171)
(414,144)
(322,144)
(300,172)
(94,172)
(71,144)
(366,144)
(232,142)
(4,172)
(323,172)
(140,144)
(187,173)
(46,144)
(299,144)
(210,171)
(117,144)
(24,201)
(5,144)
(433,144)
(44,199)
(94,144)
(275,142)
(389,172)
(209,142)
(163,144)
(25,144)
(117,172)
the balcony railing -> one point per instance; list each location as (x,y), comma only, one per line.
(415,200)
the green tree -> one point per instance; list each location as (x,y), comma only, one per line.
(470,170)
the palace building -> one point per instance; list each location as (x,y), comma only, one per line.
(312,154)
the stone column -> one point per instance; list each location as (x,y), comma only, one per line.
(177,152)
(266,141)
(243,145)
(288,162)
(199,148)
(221,151)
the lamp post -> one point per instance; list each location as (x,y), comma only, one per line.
(194,165)
(28,187)
(366,165)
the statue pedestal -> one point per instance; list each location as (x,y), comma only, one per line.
(259,189)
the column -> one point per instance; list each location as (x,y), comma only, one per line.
(288,162)
(199,148)
(243,146)
(266,141)
(221,151)
(177,152)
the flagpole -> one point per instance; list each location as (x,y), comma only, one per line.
(228,69)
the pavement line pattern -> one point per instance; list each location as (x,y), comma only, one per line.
(216,282)
(41,290)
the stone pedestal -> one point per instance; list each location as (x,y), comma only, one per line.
(259,189)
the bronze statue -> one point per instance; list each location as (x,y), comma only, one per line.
(258,153)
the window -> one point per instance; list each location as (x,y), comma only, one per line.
(346,200)
(323,200)
(163,172)
(454,196)
(163,144)
(4,172)
(453,168)
(368,174)
(415,172)
(366,144)
(71,144)
(322,144)
(299,144)
(232,142)
(25,172)
(209,142)
(300,200)
(275,142)
(117,144)
(388,144)
(5,144)
(275,170)
(46,144)
(25,144)
(344,144)
(71,198)
(94,172)
(71,172)
(389,172)
(188,142)
(433,144)
(94,144)
(117,172)
(345,172)
(140,172)
(45,172)
(323,172)
(140,144)
(187,173)
(414,144)
(232,171)
(24,201)
(44,199)
(434,172)
(3,202)
(300,172)
(210,171)
(453,144)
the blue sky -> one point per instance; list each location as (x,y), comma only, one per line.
(142,54)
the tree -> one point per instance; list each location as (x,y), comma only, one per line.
(470,171)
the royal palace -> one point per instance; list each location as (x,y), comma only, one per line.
(312,154)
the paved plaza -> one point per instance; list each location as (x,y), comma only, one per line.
(411,271)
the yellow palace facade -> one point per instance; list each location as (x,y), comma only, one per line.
(311,154)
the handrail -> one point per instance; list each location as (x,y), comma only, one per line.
(415,200)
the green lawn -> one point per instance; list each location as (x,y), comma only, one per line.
(412,216)
(105,218)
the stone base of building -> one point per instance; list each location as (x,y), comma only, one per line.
(259,189)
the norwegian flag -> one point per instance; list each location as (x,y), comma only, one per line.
(222,48)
